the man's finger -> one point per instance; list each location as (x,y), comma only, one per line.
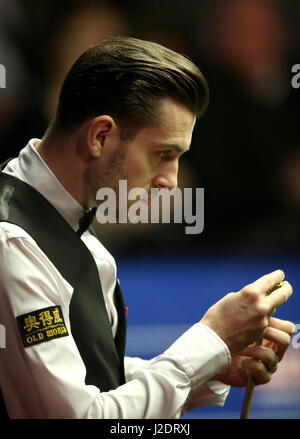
(261,353)
(280,339)
(282,325)
(280,296)
(258,370)
(267,282)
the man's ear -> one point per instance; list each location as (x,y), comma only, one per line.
(99,130)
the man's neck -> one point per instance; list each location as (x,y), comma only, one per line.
(60,155)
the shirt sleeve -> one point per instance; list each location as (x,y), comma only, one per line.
(212,393)
(47,380)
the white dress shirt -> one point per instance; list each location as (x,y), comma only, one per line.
(47,380)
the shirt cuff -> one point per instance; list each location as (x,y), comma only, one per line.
(219,393)
(213,393)
(202,353)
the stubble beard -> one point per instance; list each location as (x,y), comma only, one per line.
(105,176)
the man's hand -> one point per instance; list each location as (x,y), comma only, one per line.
(261,361)
(240,319)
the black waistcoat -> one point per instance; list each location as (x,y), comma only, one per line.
(102,355)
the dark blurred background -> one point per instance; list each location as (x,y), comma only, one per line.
(245,151)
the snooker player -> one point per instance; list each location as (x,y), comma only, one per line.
(126,111)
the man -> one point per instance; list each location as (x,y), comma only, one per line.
(126,111)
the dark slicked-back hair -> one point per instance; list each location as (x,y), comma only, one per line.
(127,78)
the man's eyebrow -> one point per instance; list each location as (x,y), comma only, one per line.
(174,146)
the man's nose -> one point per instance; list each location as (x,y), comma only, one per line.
(167,177)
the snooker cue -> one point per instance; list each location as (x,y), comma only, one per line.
(251,380)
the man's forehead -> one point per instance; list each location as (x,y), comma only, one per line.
(172,128)
(174,113)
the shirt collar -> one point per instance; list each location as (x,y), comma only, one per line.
(31,168)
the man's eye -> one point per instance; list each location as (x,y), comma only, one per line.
(165,155)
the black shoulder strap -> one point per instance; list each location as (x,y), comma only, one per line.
(22,205)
